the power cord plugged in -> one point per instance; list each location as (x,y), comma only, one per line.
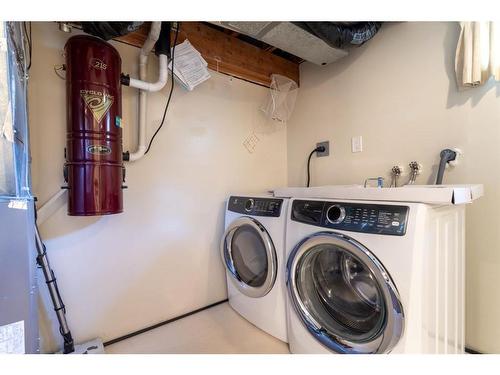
(323,149)
(320,149)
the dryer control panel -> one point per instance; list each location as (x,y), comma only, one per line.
(352,217)
(255,206)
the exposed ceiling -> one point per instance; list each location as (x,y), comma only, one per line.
(288,39)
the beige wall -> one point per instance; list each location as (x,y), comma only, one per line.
(399,93)
(160,258)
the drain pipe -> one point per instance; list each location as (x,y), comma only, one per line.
(446,156)
(159,34)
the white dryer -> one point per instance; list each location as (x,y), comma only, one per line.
(375,277)
(253,252)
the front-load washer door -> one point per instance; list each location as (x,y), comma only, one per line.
(249,256)
(344,295)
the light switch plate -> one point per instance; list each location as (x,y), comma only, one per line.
(357,144)
(326,145)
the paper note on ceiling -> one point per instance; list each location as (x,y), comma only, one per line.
(12,338)
(190,67)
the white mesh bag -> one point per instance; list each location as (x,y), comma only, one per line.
(281,100)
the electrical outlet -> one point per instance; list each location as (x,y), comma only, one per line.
(326,145)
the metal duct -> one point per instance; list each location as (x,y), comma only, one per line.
(318,42)
(290,38)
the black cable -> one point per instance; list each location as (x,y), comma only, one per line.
(317,149)
(157,325)
(171,90)
(29,40)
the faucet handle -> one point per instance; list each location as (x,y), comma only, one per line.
(397,170)
(415,170)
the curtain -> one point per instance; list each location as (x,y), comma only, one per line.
(478,53)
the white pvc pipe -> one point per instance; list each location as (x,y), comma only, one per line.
(153,86)
(144,86)
(141,142)
(149,43)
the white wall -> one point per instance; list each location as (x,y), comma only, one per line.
(398,91)
(160,258)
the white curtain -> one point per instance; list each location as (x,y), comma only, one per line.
(478,53)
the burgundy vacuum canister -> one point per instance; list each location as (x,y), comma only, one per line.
(94,163)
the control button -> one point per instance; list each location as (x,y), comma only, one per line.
(335,214)
(249,205)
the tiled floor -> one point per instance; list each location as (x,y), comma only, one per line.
(216,330)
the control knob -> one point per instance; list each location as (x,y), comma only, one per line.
(335,214)
(249,205)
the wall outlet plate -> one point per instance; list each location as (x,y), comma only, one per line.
(326,145)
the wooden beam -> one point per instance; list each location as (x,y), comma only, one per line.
(227,54)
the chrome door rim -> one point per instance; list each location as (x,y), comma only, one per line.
(394,325)
(225,248)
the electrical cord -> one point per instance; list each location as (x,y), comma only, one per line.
(29,40)
(170,93)
(317,149)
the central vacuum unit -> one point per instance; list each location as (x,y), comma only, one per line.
(94,169)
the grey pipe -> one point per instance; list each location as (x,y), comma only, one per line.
(50,280)
(446,155)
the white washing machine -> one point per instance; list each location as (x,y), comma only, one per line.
(375,277)
(253,252)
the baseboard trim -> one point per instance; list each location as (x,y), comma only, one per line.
(142,330)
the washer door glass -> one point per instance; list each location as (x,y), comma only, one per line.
(250,257)
(344,296)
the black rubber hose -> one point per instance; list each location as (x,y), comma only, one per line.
(69,345)
(446,155)
(162,45)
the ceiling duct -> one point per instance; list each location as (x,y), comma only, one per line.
(290,38)
(318,42)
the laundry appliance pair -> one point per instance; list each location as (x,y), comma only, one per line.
(352,270)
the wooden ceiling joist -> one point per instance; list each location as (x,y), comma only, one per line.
(227,54)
